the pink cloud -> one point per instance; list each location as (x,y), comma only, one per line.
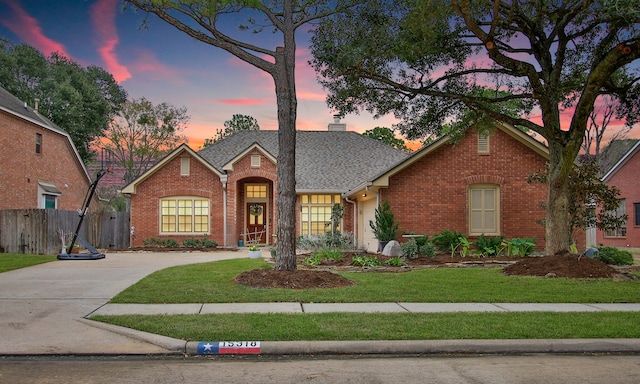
(103,15)
(244,101)
(147,63)
(29,30)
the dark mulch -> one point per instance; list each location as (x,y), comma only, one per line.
(561,265)
(298,279)
(305,277)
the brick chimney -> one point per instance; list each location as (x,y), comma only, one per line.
(337,125)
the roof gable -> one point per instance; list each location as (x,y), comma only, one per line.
(14,106)
(331,161)
(229,166)
(615,156)
(382,179)
(131,187)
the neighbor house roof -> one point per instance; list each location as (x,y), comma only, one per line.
(616,154)
(331,161)
(14,106)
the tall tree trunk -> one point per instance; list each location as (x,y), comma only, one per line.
(286,167)
(558,232)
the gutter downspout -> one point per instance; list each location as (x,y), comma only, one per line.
(223,179)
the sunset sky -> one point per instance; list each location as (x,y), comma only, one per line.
(163,64)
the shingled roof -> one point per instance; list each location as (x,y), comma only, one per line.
(331,161)
(614,152)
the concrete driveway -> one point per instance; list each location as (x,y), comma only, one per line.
(42,307)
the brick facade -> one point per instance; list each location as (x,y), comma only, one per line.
(627,179)
(167,182)
(432,194)
(22,168)
(429,195)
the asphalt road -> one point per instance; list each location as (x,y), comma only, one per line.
(543,369)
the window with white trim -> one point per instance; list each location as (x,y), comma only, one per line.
(184,215)
(621,211)
(38,143)
(48,195)
(484,209)
(315,213)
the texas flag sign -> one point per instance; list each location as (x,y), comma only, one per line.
(228,348)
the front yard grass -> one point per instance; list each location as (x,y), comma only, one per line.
(213,283)
(11,261)
(387,326)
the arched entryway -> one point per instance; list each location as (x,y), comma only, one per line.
(255,211)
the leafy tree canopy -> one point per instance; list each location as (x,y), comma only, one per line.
(142,133)
(82,101)
(431,61)
(207,21)
(237,123)
(386,136)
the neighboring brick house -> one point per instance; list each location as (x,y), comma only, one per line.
(229,188)
(620,165)
(39,165)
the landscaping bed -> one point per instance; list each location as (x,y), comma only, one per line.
(318,276)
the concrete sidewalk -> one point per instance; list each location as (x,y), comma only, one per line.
(44,310)
(203,309)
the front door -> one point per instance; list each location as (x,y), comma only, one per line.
(256,223)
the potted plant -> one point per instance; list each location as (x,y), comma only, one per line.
(384,227)
(255,252)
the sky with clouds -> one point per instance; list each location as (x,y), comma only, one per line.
(163,64)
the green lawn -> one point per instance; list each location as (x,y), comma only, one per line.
(213,283)
(11,261)
(387,326)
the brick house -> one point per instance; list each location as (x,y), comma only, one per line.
(475,186)
(39,165)
(620,165)
(229,189)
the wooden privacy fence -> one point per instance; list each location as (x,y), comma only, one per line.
(37,231)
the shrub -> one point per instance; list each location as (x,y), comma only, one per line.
(328,253)
(428,249)
(395,261)
(366,261)
(447,241)
(154,242)
(410,249)
(313,260)
(199,243)
(519,247)
(614,256)
(489,246)
(384,227)
(339,240)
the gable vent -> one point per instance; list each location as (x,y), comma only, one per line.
(483,142)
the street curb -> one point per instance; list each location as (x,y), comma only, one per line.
(391,347)
(511,346)
(170,344)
